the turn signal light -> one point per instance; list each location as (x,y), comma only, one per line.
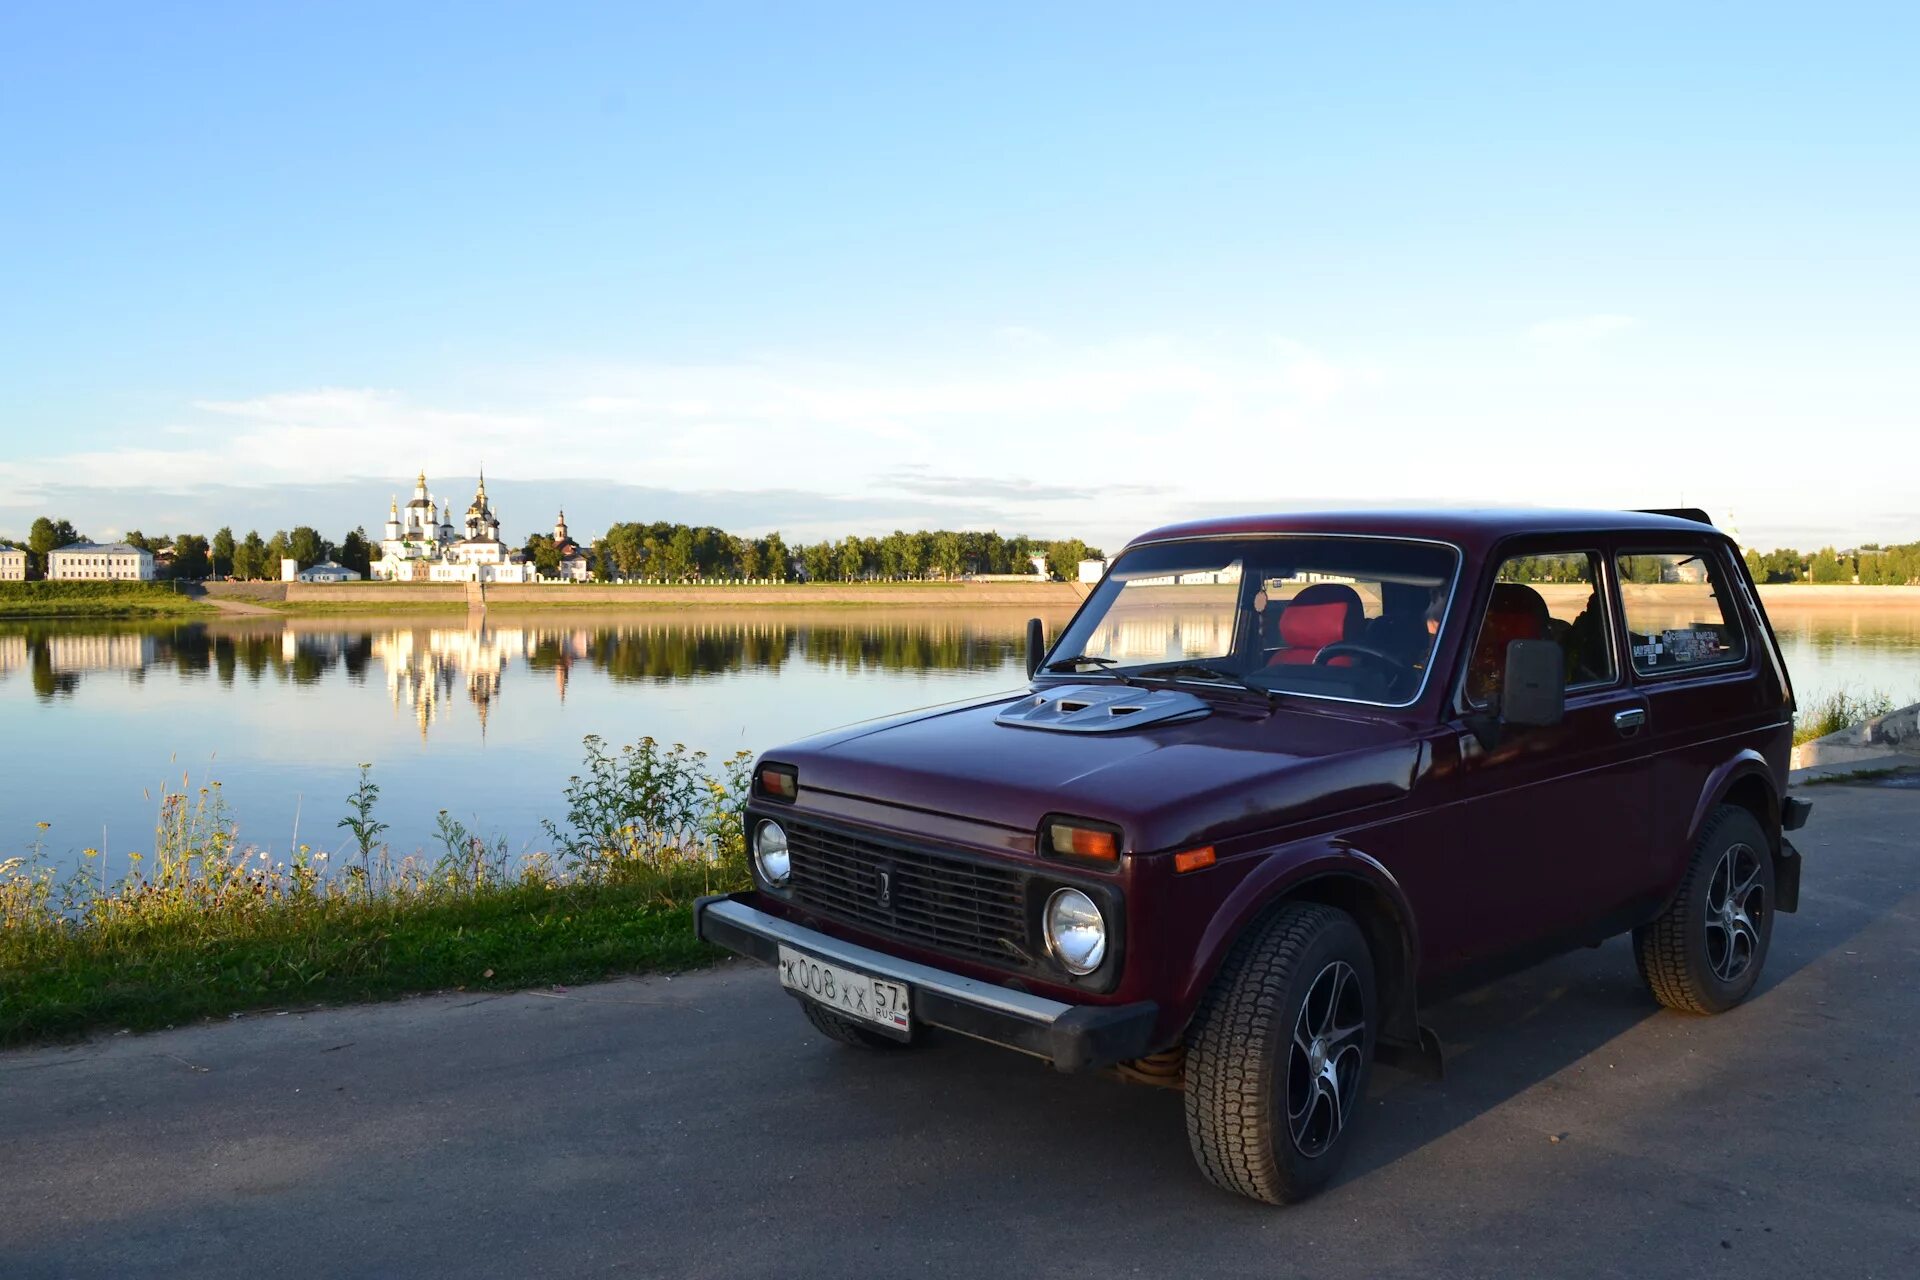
(1194,859)
(1083,842)
(782,781)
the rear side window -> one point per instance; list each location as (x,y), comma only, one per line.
(1679,612)
(1543,597)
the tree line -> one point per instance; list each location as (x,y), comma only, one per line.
(195,556)
(660,551)
(677,553)
(1869,565)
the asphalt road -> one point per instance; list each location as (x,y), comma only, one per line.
(694,1127)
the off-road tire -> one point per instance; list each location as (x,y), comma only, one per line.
(1240,1045)
(847,1031)
(1673,950)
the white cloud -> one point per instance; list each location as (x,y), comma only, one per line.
(1033,433)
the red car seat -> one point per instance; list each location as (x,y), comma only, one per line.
(1516,612)
(1323,614)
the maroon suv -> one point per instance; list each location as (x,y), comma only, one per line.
(1281,780)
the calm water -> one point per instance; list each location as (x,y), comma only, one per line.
(486,720)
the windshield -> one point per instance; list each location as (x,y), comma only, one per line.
(1352,618)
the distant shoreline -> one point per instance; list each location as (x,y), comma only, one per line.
(306,598)
(262,600)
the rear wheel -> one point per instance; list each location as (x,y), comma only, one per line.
(1278,1055)
(847,1031)
(1703,954)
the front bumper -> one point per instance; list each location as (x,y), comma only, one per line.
(1073,1037)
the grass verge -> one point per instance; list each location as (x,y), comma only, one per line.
(502,937)
(204,927)
(97,600)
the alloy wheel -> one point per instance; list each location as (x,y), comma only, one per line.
(1736,902)
(1324,1059)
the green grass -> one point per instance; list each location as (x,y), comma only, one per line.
(204,927)
(168,971)
(1838,711)
(97,600)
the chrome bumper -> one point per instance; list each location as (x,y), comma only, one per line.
(1073,1037)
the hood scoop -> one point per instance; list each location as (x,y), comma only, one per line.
(1101,708)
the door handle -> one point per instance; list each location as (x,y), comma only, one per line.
(1630,721)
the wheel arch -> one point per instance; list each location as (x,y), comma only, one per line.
(1746,781)
(1341,876)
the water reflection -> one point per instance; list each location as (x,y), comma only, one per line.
(431,667)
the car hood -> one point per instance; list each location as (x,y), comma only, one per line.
(1168,785)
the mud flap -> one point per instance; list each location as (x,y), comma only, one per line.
(1786,877)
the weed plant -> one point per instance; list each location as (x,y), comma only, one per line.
(1837,711)
(206,925)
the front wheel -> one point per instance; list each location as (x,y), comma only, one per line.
(1278,1055)
(1703,953)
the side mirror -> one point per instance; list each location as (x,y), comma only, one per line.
(1534,693)
(1036,645)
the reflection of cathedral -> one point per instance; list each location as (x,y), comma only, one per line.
(418,547)
(426,667)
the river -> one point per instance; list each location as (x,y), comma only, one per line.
(485,720)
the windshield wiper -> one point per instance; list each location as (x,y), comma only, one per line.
(1171,671)
(1106,666)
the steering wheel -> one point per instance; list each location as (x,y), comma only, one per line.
(1329,652)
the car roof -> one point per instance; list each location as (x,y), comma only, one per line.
(1467,526)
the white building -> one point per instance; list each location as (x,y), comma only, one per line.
(1092,570)
(418,547)
(328,571)
(573,561)
(13,564)
(82,561)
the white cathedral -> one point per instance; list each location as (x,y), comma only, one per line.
(417,547)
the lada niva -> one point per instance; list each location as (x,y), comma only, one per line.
(1282,780)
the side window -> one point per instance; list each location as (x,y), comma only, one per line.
(1553,597)
(1679,612)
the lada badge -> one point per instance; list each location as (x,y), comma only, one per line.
(1101,708)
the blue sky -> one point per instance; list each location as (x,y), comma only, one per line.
(1061,268)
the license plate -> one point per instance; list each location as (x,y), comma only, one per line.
(846,991)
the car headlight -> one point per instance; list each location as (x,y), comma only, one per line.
(770,853)
(1076,931)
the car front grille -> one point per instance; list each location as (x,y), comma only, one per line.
(950,904)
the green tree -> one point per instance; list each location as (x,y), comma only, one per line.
(947,557)
(1064,557)
(220,553)
(818,560)
(545,554)
(48,535)
(1828,566)
(306,545)
(776,556)
(190,558)
(746,554)
(850,561)
(250,557)
(356,552)
(681,560)
(279,548)
(625,550)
